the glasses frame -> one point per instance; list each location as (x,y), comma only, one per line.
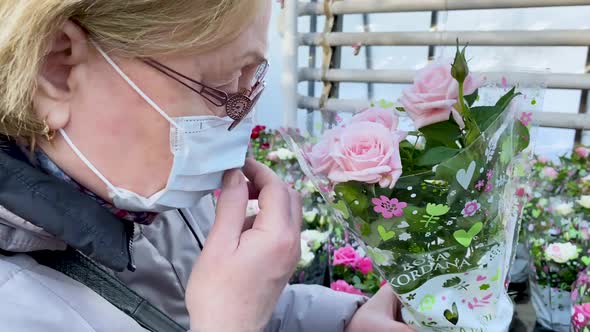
(237,105)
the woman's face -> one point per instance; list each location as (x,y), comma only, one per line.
(115,128)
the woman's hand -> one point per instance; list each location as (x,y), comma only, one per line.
(235,284)
(380,314)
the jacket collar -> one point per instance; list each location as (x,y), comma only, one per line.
(62,211)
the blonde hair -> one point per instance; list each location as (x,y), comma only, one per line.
(134,28)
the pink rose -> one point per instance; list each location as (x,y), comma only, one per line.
(319,156)
(581,315)
(378,115)
(343,286)
(550,172)
(366,152)
(364,265)
(582,151)
(434,93)
(345,256)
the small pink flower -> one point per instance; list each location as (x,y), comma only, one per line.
(582,151)
(432,97)
(343,286)
(581,315)
(364,265)
(504,82)
(345,256)
(550,172)
(520,192)
(470,208)
(389,207)
(488,187)
(542,160)
(480,184)
(526,118)
(489,174)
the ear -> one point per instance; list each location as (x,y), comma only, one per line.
(68,50)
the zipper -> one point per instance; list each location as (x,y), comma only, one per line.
(188,224)
(130,237)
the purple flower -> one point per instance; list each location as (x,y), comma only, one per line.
(389,207)
(479,184)
(488,187)
(526,118)
(489,174)
(470,208)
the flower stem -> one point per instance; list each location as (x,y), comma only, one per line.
(471,127)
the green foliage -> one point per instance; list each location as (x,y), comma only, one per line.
(472,98)
(436,155)
(445,133)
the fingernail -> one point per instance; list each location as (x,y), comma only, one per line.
(232,178)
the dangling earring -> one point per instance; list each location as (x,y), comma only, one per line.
(47,132)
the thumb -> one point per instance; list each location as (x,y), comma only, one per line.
(383,301)
(230,212)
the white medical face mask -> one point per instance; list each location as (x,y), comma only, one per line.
(202,148)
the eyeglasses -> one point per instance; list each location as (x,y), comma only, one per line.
(237,105)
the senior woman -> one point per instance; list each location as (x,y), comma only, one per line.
(119,118)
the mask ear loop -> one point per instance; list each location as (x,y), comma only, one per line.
(86,161)
(132,84)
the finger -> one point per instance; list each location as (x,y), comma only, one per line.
(296,210)
(274,199)
(259,175)
(383,301)
(230,212)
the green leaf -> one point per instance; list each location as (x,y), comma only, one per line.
(356,280)
(436,155)
(441,134)
(365,229)
(470,99)
(437,210)
(505,100)
(523,136)
(354,195)
(484,116)
(401,109)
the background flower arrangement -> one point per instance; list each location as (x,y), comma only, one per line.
(556,230)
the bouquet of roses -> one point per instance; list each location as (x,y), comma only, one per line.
(435,208)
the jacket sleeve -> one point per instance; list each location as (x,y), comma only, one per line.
(34,298)
(310,308)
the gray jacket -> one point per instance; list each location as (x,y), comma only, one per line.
(38,212)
